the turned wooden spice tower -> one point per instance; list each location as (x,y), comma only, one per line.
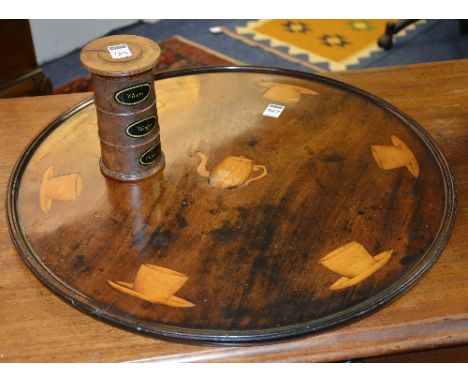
(125,98)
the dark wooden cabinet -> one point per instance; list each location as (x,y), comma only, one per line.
(19,73)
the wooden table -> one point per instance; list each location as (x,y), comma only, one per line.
(37,326)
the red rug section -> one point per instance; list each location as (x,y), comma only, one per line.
(176,53)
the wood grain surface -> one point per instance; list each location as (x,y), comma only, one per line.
(339,221)
(432,314)
(140,54)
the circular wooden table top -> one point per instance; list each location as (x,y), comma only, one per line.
(289,204)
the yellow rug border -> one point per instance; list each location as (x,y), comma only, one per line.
(267,48)
(312,58)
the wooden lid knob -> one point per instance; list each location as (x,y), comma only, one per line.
(120,55)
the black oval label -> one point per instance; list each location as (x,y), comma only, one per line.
(142,128)
(133,94)
(151,155)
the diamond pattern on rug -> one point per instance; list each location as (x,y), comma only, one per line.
(335,44)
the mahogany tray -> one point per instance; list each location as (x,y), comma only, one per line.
(258,228)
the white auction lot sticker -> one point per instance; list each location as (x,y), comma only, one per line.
(273,110)
(119,51)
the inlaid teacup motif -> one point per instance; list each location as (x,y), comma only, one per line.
(231,172)
(155,284)
(64,188)
(396,156)
(286,93)
(354,263)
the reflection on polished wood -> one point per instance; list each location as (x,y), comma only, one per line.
(252,252)
(34,318)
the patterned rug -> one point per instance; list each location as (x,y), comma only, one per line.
(321,45)
(176,53)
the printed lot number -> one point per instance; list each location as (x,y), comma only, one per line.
(273,110)
(119,51)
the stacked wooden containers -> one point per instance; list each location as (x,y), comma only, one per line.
(125,98)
